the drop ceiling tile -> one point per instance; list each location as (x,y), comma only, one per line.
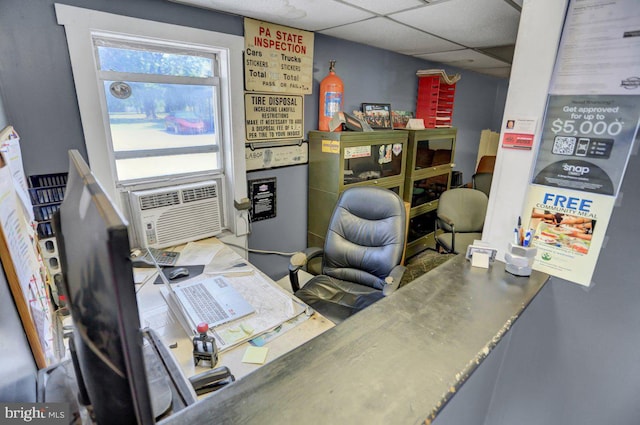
(384,7)
(467,58)
(308,15)
(387,34)
(477,23)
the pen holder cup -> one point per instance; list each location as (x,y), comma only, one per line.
(519,259)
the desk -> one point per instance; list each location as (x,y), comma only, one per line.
(397,362)
(150,300)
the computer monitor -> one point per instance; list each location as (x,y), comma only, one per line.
(98,283)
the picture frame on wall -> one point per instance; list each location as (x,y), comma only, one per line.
(378,115)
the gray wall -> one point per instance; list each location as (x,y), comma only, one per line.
(573,356)
(40,100)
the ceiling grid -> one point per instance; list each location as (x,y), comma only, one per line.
(478,35)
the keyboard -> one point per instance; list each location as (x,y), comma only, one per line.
(205,306)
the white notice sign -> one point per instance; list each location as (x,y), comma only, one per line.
(277,59)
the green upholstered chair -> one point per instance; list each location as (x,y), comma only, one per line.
(460,219)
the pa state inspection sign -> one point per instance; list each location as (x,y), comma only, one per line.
(277,59)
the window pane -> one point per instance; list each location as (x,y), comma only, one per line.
(156,116)
(148,116)
(428,189)
(153,62)
(143,168)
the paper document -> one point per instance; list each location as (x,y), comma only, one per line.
(227,261)
(200,252)
(273,306)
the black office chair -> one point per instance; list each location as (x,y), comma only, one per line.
(460,219)
(361,257)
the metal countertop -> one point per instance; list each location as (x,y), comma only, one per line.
(399,361)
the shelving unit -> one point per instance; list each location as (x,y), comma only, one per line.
(47,193)
(341,160)
(428,175)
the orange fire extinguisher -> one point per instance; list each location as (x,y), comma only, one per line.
(331,98)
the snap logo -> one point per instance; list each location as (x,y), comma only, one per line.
(575,170)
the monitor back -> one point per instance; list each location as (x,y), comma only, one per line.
(94,247)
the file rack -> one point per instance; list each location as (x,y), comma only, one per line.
(435,101)
(47,192)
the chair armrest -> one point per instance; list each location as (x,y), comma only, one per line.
(446,220)
(393,280)
(445,223)
(299,261)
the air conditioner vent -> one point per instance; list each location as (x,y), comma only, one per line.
(198,193)
(171,224)
(159,200)
(173,215)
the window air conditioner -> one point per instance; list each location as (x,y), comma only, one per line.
(174,215)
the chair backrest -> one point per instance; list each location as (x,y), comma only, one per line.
(366,236)
(482,182)
(486,164)
(465,207)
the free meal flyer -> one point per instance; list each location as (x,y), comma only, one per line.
(568,229)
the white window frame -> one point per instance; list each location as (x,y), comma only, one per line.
(128,42)
(79,26)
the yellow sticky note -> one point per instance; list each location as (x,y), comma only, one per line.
(246,329)
(256,355)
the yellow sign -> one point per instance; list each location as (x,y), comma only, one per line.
(277,59)
(331,146)
(273,116)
